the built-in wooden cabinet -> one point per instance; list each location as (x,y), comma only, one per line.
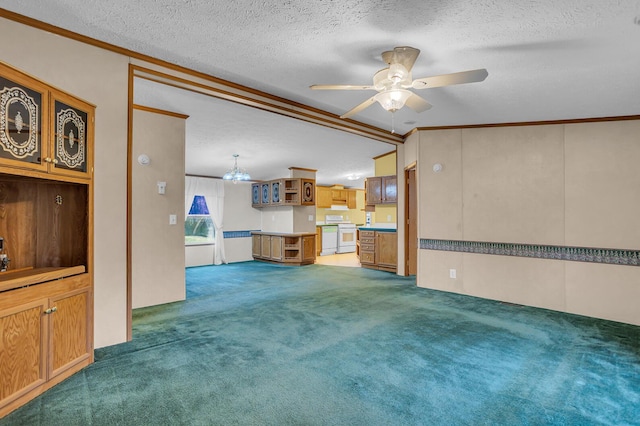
(328,196)
(283,192)
(46,334)
(381,190)
(294,249)
(378,249)
(46,226)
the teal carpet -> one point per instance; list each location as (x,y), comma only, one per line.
(258,344)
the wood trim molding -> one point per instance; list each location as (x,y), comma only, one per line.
(528,123)
(269,103)
(129,269)
(159,111)
(385,154)
(303,169)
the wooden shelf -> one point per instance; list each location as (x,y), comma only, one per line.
(16,279)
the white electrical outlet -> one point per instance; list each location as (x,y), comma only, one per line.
(452,273)
(310,218)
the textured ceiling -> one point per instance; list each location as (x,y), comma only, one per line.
(547,59)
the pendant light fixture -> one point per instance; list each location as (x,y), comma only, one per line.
(236,174)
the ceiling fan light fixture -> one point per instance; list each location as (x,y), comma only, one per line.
(397,73)
(393,100)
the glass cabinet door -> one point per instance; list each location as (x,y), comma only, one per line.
(71,150)
(23,119)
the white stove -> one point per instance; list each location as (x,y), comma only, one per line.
(346,233)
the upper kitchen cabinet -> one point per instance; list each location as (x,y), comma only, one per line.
(43,129)
(381,190)
(283,192)
(336,195)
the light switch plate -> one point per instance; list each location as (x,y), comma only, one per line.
(173,219)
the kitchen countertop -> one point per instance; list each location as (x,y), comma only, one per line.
(375,228)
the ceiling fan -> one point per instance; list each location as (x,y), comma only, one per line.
(393,81)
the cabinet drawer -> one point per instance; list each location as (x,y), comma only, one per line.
(367,240)
(368,247)
(367,234)
(367,257)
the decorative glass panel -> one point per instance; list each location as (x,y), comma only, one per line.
(255,193)
(265,193)
(275,192)
(20,122)
(70,137)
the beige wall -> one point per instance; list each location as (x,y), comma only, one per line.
(158,257)
(574,185)
(99,77)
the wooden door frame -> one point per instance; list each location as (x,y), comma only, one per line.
(407,169)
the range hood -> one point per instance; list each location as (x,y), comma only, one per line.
(338,207)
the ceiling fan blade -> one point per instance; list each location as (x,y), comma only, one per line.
(359,108)
(417,104)
(406,56)
(450,79)
(340,87)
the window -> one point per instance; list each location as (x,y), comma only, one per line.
(198,226)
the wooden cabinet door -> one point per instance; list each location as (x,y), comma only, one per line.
(69,336)
(387,249)
(276,247)
(256,245)
(265,246)
(373,187)
(351,199)
(389,189)
(323,198)
(23,356)
(308,248)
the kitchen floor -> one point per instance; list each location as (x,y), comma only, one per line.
(343,259)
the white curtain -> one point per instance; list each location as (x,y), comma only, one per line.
(213,192)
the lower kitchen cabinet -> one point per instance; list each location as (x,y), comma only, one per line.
(378,250)
(46,331)
(291,249)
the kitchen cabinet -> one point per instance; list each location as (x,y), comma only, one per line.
(291,249)
(46,193)
(351,199)
(283,192)
(378,249)
(327,196)
(381,190)
(323,197)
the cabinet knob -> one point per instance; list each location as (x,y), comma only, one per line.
(51,310)
(47,160)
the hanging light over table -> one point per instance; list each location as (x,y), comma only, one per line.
(236,174)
